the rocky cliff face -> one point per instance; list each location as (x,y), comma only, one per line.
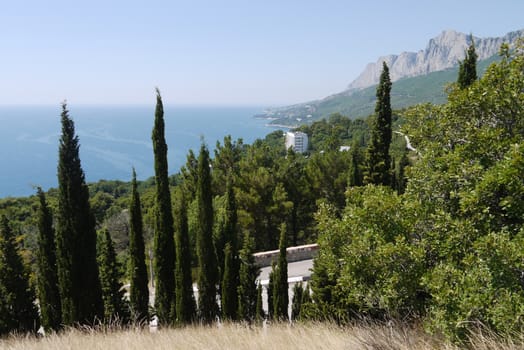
(442,52)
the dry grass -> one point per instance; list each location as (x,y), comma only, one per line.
(303,336)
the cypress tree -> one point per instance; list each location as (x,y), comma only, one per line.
(229,293)
(355,173)
(164,246)
(305,303)
(185,299)
(230,236)
(280,286)
(378,158)
(247,288)
(468,67)
(79,284)
(296,305)
(208,274)
(138,291)
(270,291)
(48,293)
(115,308)
(20,313)
(259,310)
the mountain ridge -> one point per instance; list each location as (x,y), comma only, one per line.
(430,68)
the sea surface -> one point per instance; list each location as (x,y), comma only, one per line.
(113,139)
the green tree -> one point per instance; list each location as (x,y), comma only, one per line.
(185,300)
(378,158)
(115,307)
(48,293)
(79,284)
(468,67)
(164,245)
(20,313)
(259,309)
(280,287)
(138,290)
(270,291)
(355,165)
(229,288)
(296,305)
(247,288)
(208,274)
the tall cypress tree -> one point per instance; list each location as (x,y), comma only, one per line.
(355,174)
(229,293)
(468,68)
(208,274)
(230,237)
(247,289)
(270,291)
(115,307)
(378,158)
(138,291)
(296,305)
(48,293)
(79,284)
(185,299)
(280,286)
(164,246)
(20,313)
(259,309)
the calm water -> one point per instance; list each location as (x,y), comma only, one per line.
(112,140)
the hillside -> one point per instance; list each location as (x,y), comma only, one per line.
(360,103)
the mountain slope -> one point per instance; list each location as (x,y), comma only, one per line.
(418,77)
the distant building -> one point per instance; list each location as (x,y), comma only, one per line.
(344,148)
(298,140)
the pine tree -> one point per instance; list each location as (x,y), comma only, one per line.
(208,274)
(468,67)
(115,307)
(20,313)
(185,299)
(296,305)
(247,288)
(305,303)
(164,246)
(259,309)
(79,284)
(138,290)
(378,158)
(48,293)
(280,287)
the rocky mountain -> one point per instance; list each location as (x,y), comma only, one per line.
(442,52)
(420,76)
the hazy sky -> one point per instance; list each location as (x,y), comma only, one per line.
(261,52)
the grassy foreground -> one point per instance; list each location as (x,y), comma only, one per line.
(303,336)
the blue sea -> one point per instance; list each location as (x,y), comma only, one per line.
(113,139)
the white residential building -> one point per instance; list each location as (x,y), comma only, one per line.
(298,140)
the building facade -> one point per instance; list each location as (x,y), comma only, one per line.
(298,140)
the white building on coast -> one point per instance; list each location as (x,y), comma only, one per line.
(298,140)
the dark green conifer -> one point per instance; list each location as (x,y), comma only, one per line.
(164,246)
(270,291)
(208,273)
(259,311)
(138,290)
(229,292)
(378,158)
(19,312)
(247,288)
(115,307)
(280,286)
(48,293)
(185,299)
(79,284)
(296,305)
(468,67)
(355,172)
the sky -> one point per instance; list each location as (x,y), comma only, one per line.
(264,53)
